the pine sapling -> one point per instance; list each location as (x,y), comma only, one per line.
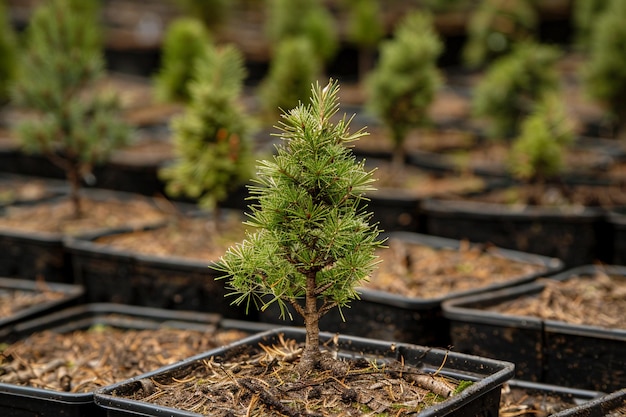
(212,138)
(406,79)
(186,39)
(314,244)
(513,85)
(69,122)
(537,153)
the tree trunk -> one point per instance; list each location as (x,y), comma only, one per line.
(311,353)
(73,178)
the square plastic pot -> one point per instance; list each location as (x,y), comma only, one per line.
(24,401)
(480,399)
(42,255)
(613,404)
(389,316)
(112,274)
(576,236)
(68,295)
(549,351)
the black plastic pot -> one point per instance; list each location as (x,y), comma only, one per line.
(553,352)
(387,316)
(480,399)
(67,295)
(111,274)
(574,236)
(42,255)
(24,401)
(617,221)
(613,404)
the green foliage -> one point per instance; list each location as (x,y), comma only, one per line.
(496,26)
(185,41)
(537,154)
(308,18)
(584,15)
(513,84)
(406,79)
(605,74)
(365,26)
(313,245)
(290,75)
(212,13)
(8,54)
(212,138)
(72,123)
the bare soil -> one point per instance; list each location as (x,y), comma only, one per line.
(84,360)
(563,195)
(521,402)
(14,300)
(420,271)
(265,381)
(596,300)
(56,216)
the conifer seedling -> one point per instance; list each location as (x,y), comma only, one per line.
(536,155)
(406,79)
(8,54)
(605,72)
(70,122)
(313,243)
(513,85)
(212,138)
(186,40)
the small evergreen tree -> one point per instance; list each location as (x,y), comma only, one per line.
(495,27)
(8,54)
(186,39)
(584,15)
(537,153)
(212,13)
(406,79)
(287,19)
(512,86)
(314,244)
(71,124)
(212,137)
(605,74)
(289,78)
(365,29)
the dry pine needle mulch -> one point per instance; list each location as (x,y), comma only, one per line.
(84,360)
(264,382)
(12,300)
(594,300)
(417,270)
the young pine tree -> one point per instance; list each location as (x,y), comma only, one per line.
(70,124)
(8,54)
(212,137)
(186,39)
(495,27)
(537,153)
(288,81)
(405,80)
(310,19)
(365,29)
(314,244)
(605,73)
(513,85)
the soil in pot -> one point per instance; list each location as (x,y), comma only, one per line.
(528,399)
(84,360)
(18,188)
(592,300)
(422,271)
(16,300)
(105,212)
(259,376)
(183,236)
